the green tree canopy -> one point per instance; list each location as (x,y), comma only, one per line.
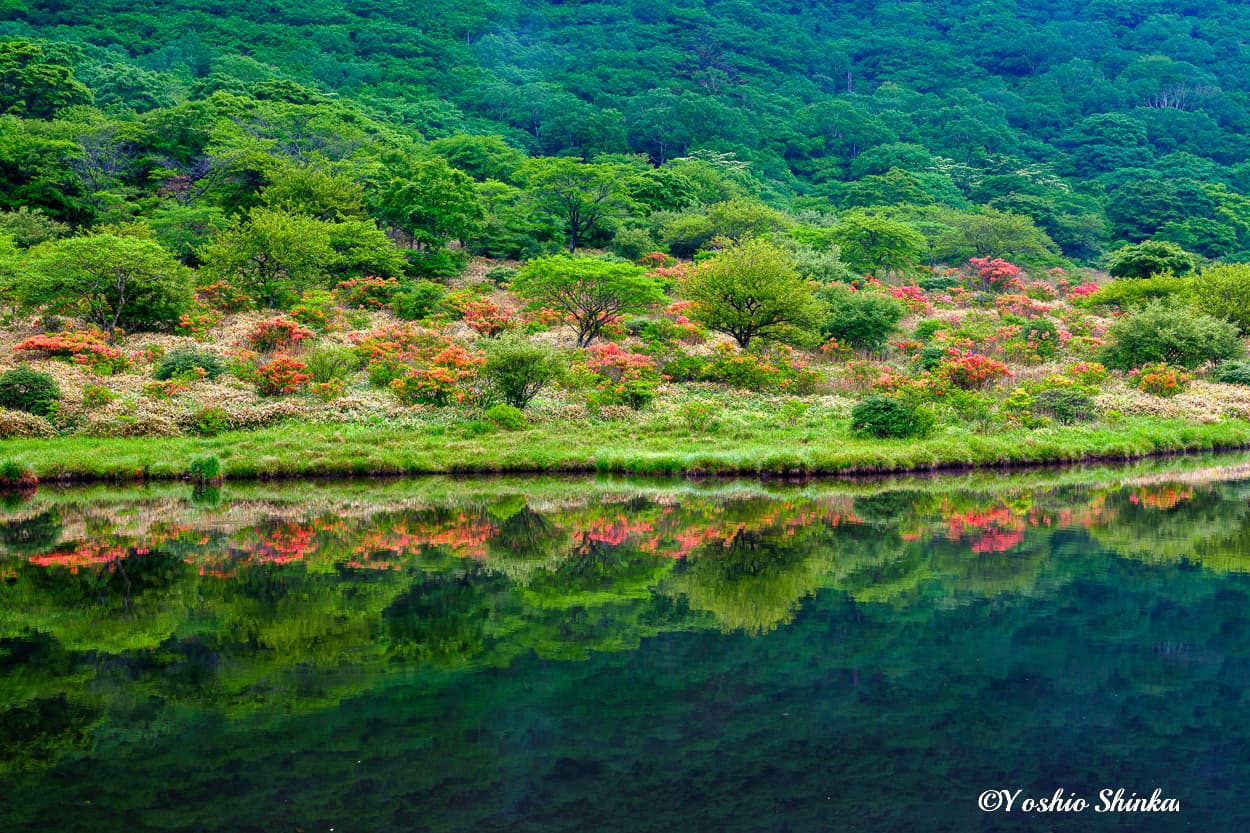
(591,291)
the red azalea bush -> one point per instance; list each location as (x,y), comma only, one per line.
(486,318)
(87,347)
(970,371)
(996,274)
(281,375)
(277,333)
(223,297)
(367,293)
(621,377)
(443,377)
(1160,379)
(198,321)
(418,364)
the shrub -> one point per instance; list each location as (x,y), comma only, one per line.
(23,389)
(886,418)
(1127,293)
(996,273)
(438,379)
(500,275)
(1152,257)
(778,369)
(931,356)
(864,320)
(367,293)
(621,378)
(926,328)
(205,469)
(210,421)
(517,370)
(1160,379)
(506,417)
(16,475)
(486,318)
(1224,292)
(85,348)
(632,243)
(224,297)
(698,416)
(417,300)
(1065,405)
(1160,332)
(281,376)
(969,371)
(277,333)
(1040,338)
(315,310)
(1090,374)
(178,363)
(95,396)
(331,363)
(1233,373)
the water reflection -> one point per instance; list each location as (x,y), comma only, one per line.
(570,655)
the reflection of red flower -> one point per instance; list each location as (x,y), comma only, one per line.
(84,554)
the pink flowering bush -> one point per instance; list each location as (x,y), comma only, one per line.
(277,333)
(88,348)
(971,371)
(996,274)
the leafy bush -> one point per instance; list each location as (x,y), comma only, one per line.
(969,371)
(331,363)
(1065,405)
(632,243)
(500,275)
(23,389)
(1127,293)
(277,333)
(778,369)
(1160,379)
(210,421)
(1161,332)
(417,300)
(205,469)
(517,370)
(1152,257)
(1224,292)
(506,417)
(85,348)
(886,418)
(177,363)
(864,320)
(281,376)
(926,328)
(367,293)
(1233,373)
(315,310)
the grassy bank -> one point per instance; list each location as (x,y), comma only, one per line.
(294,449)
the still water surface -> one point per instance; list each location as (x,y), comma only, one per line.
(606,655)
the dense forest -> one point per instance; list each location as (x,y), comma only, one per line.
(1102,122)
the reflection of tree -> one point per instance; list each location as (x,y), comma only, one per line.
(753,584)
(442,619)
(527,542)
(32,535)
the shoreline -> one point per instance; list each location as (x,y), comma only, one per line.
(321,451)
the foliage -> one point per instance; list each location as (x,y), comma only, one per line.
(329,364)
(1127,293)
(1233,373)
(871,243)
(885,418)
(1151,257)
(30,391)
(620,377)
(506,416)
(517,370)
(277,333)
(114,282)
(971,371)
(593,292)
(205,469)
(1160,332)
(272,255)
(417,300)
(1223,291)
(367,293)
(176,363)
(86,348)
(751,291)
(861,319)
(1160,379)
(1065,406)
(779,369)
(280,375)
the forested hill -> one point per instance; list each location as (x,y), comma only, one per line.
(1103,122)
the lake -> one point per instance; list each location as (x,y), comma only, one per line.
(562,654)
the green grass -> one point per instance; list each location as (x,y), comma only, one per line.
(613,446)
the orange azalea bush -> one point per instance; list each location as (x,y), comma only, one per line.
(277,333)
(487,318)
(281,376)
(1160,379)
(442,378)
(86,347)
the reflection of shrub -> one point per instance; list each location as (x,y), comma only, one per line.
(181,362)
(1160,332)
(205,469)
(1160,379)
(23,389)
(886,418)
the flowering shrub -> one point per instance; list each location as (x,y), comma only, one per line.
(486,318)
(778,369)
(913,297)
(620,377)
(1087,373)
(970,370)
(85,348)
(1083,290)
(1021,305)
(280,375)
(198,321)
(223,297)
(1160,379)
(315,310)
(996,274)
(277,333)
(367,293)
(440,379)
